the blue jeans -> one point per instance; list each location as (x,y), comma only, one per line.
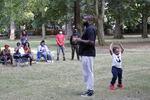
(62,49)
(117,73)
(45,55)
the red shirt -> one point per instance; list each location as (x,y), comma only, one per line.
(27,50)
(60,39)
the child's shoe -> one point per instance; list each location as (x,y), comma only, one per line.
(112,87)
(120,86)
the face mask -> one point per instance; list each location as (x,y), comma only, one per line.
(60,32)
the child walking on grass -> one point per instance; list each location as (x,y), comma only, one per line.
(116,52)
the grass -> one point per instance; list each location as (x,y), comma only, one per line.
(63,80)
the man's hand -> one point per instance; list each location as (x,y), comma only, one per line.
(76,39)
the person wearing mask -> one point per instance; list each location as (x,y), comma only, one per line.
(60,41)
(87,52)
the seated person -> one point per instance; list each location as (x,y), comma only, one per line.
(20,54)
(28,53)
(44,52)
(6,55)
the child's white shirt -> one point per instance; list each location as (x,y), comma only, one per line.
(116,60)
(21,51)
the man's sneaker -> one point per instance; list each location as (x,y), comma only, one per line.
(87,93)
(112,87)
(120,86)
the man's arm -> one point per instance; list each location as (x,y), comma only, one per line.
(122,49)
(111,48)
(91,37)
(47,50)
(57,40)
(84,41)
(39,48)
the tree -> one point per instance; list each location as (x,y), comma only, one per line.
(39,8)
(100,4)
(77,15)
(144,10)
(13,13)
(118,9)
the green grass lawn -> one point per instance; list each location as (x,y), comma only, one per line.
(63,80)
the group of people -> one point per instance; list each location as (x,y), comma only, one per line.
(84,47)
(22,51)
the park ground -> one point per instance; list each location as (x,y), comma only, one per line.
(62,80)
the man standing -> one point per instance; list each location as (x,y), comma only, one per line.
(74,45)
(87,52)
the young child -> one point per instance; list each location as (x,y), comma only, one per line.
(116,52)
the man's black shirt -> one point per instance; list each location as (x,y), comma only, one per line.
(87,49)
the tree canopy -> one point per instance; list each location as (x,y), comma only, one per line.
(124,14)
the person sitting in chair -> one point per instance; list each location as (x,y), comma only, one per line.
(44,52)
(20,54)
(6,55)
(28,53)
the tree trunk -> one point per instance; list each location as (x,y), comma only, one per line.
(77,15)
(43,31)
(118,29)
(69,28)
(144,26)
(100,21)
(12,30)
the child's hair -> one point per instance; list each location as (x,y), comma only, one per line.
(18,44)
(114,48)
(6,45)
(43,41)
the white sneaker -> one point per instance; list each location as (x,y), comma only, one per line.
(48,61)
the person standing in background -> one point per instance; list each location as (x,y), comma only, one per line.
(74,45)
(23,37)
(60,40)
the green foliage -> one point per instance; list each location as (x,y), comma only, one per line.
(87,7)
(14,10)
(38,12)
(56,10)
